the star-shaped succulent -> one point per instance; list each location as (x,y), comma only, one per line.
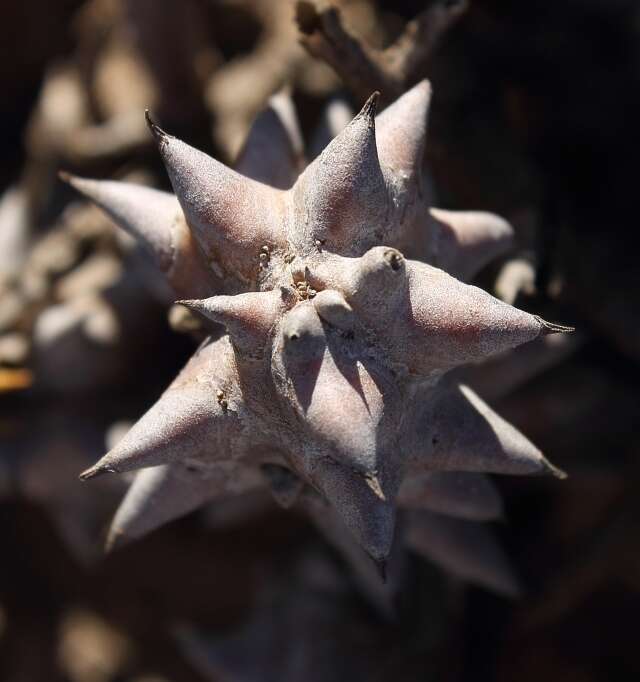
(330,385)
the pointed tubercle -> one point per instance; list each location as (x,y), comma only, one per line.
(381,568)
(553,328)
(159,135)
(96,470)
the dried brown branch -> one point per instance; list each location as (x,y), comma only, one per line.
(365,68)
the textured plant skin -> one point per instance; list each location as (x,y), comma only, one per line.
(330,383)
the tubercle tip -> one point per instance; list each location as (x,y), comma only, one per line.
(195,306)
(95,471)
(187,303)
(158,134)
(371,106)
(552,470)
(374,484)
(553,328)
(558,473)
(114,540)
(381,567)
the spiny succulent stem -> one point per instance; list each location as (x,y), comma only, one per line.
(327,366)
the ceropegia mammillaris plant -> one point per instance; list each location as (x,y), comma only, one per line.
(330,384)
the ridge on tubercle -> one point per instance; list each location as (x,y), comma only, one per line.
(145,213)
(401,134)
(332,307)
(155,220)
(428,320)
(188,422)
(381,594)
(341,196)
(456,430)
(302,336)
(248,317)
(370,518)
(373,284)
(230,215)
(348,406)
(167,492)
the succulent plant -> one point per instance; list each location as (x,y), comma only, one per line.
(330,382)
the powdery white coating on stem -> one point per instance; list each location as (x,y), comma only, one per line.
(332,307)
(380,593)
(457,431)
(362,191)
(401,133)
(149,215)
(230,214)
(155,219)
(248,318)
(163,493)
(341,198)
(428,320)
(189,423)
(329,385)
(369,516)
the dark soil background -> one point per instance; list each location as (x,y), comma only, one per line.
(535,116)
